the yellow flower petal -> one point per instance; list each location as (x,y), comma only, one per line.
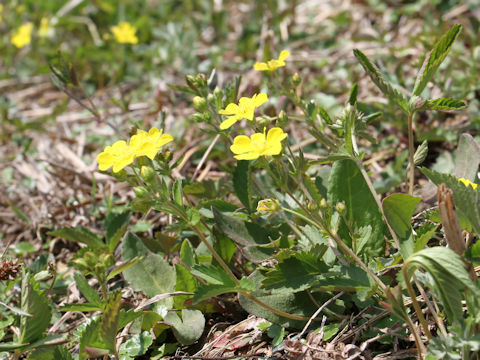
(261,66)
(124,32)
(283,55)
(229,122)
(231,109)
(468,183)
(260,99)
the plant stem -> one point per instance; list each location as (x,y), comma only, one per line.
(411,152)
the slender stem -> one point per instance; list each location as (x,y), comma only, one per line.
(411,152)
(415,304)
(377,200)
(420,346)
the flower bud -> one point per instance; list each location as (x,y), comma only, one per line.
(282,118)
(140,191)
(200,103)
(341,208)
(323,204)
(147,173)
(268,205)
(312,206)
(296,79)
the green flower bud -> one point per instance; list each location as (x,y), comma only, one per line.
(296,79)
(90,258)
(200,103)
(140,191)
(282,119)
(312,206)
(340,207)
(268,205)
(107,259)
(323,204)
(147,173)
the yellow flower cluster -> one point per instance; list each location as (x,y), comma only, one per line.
(245,109)
(125,33)
(250,148)
(23,36)
(121,154)
(468,183)
(273,64)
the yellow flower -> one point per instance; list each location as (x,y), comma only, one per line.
(245,109)
(124,33)
(121,154)
(45,28)
(273,64)
(268,205)
(468,182)
(149,144)
(250,148)
(23,36)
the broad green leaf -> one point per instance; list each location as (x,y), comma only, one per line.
(441,104)
(185,282)
(450,277)
(79,234)
(128,316)
(347,184)
(187,254)
(116,226)
(36,304)
(379,79)
(189,328)
(212,274)
(224,246)
(467,157)
(91,343)
(86,290)
(109,321)
(466,199)
(434,58)
(398,209)
(136,345)
(152,275)
(242,183)
(242,232)
(118,269)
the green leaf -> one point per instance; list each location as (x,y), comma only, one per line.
(79,234)
(136,345)
(242,183)
(205,292)
(85,307)
(347,184)
(116,226)
(441,104)
(242,232)
(91,343)
(15,310)
(86,290)
(434,58)
(187,254)
(465,198)
(152,275)
(177,192)
(185,282)
(50,353)
(398,209)
(224,246)
(189,328)
(213,275)
(36,304)
(352,98)
(449,275)
(467,158)
(109,321)
(122,267)
(383,84)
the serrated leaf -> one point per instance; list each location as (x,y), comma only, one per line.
(465,198)
(87,291)
(79,234)
(189,328)
(450,277)
(153,275)
(116,226)
(346,184)
(467,158)
(398,209)
(242,183)
(442,104)
(213,275)
(382,83)
(434,58)
(109,321)
(32,302)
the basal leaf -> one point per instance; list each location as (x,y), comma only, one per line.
(434,58)
(398,209)
(189,328)
(136,345)
(79,234)
(379,79)
(346,184)
(153,275)
(34,303)
(242,183)
(116,226)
